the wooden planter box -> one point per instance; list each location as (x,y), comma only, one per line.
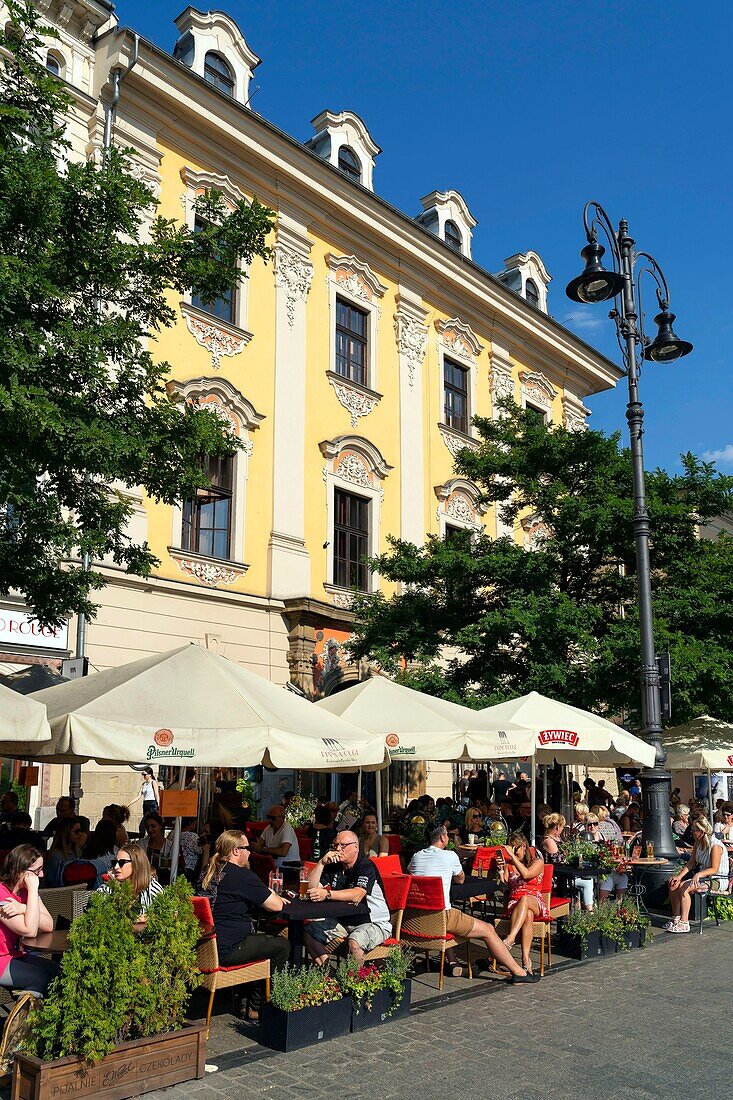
(287,1031)
(130,1070)
(382,1010)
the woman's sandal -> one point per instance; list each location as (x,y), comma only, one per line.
(458,970)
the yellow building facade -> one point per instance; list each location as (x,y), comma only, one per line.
(350,364)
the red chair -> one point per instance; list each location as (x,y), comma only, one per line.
(302,830)
(424,925)
(388,865)
(396,890)
(541,926)
(395,843)
(213,975)
(254,829)
(78,872)
(305,845)
(262,865)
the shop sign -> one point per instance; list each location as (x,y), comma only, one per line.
(20,629)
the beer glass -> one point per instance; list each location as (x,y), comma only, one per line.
(303,883)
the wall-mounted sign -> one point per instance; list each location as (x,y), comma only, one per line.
(178,803)
(20,629)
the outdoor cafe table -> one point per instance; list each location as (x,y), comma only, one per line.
(51,943)
(297,912)
(474,886)
(568,873)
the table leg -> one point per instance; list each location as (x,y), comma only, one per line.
(295,935)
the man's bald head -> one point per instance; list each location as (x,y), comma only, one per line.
(349,853)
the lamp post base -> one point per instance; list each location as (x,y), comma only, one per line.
(656,789)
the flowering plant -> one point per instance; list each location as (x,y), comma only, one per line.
(300,811)
(294,988)
(359,982)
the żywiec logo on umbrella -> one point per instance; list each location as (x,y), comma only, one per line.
(392,742)
(730,761)
(163,748)
(558,737)
(337,753)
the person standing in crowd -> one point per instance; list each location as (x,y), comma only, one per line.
(237,892)
(462,788)
(8,806)
(478,787)
(371,843)
(278,839)
(150,794)
(500,786)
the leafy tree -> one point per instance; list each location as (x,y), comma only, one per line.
(485,620)
(85,288)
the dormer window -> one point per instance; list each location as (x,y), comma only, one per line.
(531,293)
(349,163)
(218,73)
(453,237)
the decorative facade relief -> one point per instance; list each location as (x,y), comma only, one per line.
(357,400)
(459,340)
(207,571)
(459,504)
(455,441)
(353,468)
(412,341)
(502,388)
(216,336)
(535,529)
(294,273)
(574,413)
(354,277)
(537,389)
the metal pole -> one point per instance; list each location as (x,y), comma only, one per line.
(656,782)
(532,799)
(710,798)
(378,785)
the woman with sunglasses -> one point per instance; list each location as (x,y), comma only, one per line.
(133,866)
(616,879)
(474,823)
(723,829)
(22,913)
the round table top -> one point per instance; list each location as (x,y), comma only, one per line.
(321,910)
(645,861)
(47,941)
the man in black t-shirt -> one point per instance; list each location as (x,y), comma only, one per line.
(345,875)
(236,891)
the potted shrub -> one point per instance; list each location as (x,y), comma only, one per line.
(636,929)
(578,936)
(307,1006)
(113,1023)
(377,993)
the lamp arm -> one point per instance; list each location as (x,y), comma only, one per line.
(600,217)
(658,275)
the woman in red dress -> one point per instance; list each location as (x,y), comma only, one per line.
(523,877)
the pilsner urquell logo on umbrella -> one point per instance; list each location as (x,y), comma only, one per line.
(162,748)
(558,737)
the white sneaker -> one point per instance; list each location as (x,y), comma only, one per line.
(681,926)
(671,924)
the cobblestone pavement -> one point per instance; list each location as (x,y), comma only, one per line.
(640,1024)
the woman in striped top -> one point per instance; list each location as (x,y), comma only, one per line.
(133,866)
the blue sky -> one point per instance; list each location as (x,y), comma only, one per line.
(529,108)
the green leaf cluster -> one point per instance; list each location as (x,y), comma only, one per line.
(116,985)
(611,919)
(480,620)
(294,988)
(89,277)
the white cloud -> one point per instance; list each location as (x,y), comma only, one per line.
(584,322)
(723,457)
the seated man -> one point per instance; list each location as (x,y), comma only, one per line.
(343,874)
(64,808)
(278,839)
(19,832)
(434,861)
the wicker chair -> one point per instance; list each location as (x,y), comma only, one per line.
(541,926)
(214,976)
(67,902)
(396,890)
(424,925)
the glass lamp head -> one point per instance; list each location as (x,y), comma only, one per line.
(666,346)
(596,284)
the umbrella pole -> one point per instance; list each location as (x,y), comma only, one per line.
(532,798)
(176,834)
(710,797)
(378,785)
(358,790)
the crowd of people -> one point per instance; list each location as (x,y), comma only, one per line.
(346,850)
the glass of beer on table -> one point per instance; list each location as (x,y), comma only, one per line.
(303,882)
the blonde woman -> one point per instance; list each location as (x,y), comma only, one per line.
(554,825)
(581,811)
(709,860)
(616,879)
(608,828)
(235,892)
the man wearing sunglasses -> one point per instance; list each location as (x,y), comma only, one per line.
(278,839)
(343,874)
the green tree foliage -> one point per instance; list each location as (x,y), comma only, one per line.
(483,620)
(116,985)
(88,278)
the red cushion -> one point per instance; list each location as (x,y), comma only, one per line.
(559,901)
(423,936)
(239,966)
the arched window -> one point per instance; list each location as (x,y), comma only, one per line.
(218,73)
(453,237)
(53,64)
(531,293)
(349,163)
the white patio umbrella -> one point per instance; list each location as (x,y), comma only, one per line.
(571,736)
(416,726)
(705,744)
(23,721)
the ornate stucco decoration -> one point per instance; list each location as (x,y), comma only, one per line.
(355,277)
(456,441)
(208,571)
(294,273)
(535,529)
(342,597)
(537,388)
(225,401)
(357,400)
(412,340)
(458,339)
(218,337)
(459,501)
(574,413)
(502,386)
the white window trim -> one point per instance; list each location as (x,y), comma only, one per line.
(241,416)
(537,391)
(356,466)
(355,282)
(458,342)
(451,495)
(194,183)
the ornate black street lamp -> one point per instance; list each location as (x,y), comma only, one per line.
(596,284)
